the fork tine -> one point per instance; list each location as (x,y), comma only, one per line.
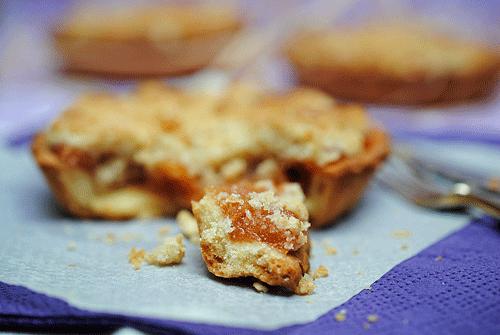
(398,176)
(444,171)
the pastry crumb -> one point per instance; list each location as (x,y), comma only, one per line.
(136,257)
(494,184)
(331,250)
(259,287)
(188,226)
(110,238)
(321,272)
(170,252)
(341,315)
(71,246)
(438,258)
(401,233)
(128,237)
(404,247)
(72,265)
(306,285)
(163,231)
(372,318)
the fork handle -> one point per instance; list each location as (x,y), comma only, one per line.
(476,201)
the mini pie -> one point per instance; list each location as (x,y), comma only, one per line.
(394,64)
(163,40)
(151,152)
(255,230)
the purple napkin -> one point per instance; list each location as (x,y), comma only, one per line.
(452,287)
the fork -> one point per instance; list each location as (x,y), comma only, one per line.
(401,177)
(449,172)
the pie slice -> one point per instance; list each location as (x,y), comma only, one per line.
(255,230)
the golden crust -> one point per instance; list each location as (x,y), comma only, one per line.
(63,180)
(394,64)
(148,41)
(169,145)
(233,247)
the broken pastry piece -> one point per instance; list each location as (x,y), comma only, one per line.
(255,230)
(170,252)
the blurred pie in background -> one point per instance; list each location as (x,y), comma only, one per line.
(148,41)
(393,64)
(170,144)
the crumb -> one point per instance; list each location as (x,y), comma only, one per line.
(366,325)
(188,226)
(321,272)
(136,257)
(127,237)
(110,238)
(355,252)
(341,315)
(404,247)
(71,246)
(438,258)
(306,285)
(359,273)
(331,250)
(170,252)
(163,231)
(309,301)
(72,265)
(259,287)
(494,184)
(372,318)
(401,233)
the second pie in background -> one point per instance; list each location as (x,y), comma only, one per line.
(393,64)
(158,40)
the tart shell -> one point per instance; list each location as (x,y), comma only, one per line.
(330,191)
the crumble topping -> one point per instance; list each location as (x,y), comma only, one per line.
(188,226)
(401,50)
(156,23)
(209,138)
